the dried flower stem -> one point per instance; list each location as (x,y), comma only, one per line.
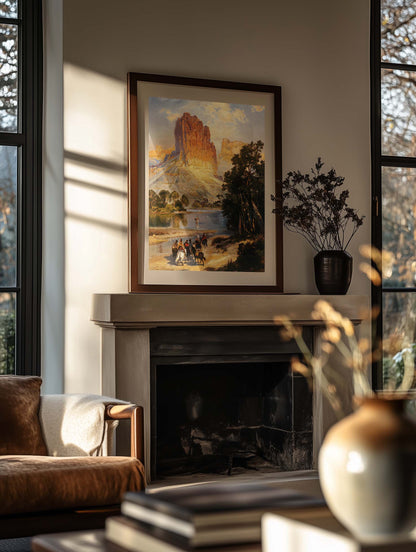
(315,363)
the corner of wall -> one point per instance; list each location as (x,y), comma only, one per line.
(53,245)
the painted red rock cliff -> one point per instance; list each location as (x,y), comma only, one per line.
(193,143)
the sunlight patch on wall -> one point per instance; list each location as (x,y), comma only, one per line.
(95,211)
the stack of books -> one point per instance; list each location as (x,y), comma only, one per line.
(213,516)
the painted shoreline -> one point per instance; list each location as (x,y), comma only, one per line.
(163,238)
(158,235)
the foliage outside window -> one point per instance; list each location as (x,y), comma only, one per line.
(394,169)
(20,185)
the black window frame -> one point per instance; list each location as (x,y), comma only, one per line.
(378,161)
(28,139)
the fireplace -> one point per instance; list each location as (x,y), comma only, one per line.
(152,342)
(225,401)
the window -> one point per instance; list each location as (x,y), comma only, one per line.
(20,184)
(394,175)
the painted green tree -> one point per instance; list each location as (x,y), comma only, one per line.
(242,201)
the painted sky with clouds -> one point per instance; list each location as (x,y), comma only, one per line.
(225,120)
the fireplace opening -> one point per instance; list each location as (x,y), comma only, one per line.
(224,405)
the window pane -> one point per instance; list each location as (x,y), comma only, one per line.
(7,332)
(8,8)
(8,215)
(398,106)
(399,339)
(8,78)
(398,31)
(399,225)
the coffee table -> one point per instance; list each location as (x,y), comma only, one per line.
(94,541)
(79,541)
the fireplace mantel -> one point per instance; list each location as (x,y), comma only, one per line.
(126,321)
(125,310)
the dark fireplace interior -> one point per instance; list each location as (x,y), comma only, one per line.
(225,401)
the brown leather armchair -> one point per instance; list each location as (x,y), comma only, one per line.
(43,494)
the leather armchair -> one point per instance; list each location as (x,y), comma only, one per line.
(63,489)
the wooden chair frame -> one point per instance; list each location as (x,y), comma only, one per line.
(25,525)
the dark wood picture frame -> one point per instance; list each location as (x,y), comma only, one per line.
(137,198)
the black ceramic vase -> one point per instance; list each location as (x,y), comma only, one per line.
(333,271)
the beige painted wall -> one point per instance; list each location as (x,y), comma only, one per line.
(53,250)
(318,52)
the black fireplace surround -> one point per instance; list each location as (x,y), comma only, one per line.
(225,400)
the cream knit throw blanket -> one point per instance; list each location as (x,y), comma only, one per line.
(74,425)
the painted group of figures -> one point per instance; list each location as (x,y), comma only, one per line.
(187,251)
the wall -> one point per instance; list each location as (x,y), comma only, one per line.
(317,51)
(53,261)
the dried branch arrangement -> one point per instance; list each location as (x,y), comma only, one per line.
(313,206)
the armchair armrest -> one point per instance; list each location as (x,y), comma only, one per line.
(135,415)
(82,425)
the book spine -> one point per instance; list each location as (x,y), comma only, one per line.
(152,503)
(158,519)
(133,540)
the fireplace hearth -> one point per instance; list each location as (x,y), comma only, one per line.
(132,358)
(225,401)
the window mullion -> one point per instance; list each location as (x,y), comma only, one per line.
(396,161)
(397,66)
(28,325)
(11,139)
(398,289)
(376,205)
(10,20)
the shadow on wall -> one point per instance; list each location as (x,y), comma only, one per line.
(76,187)
(95,150)
(89,161)
(96,213)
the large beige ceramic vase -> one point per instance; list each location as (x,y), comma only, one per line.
(367,468)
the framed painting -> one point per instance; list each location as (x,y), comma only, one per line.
(204,160)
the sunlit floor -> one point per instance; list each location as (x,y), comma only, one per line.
(303,480)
